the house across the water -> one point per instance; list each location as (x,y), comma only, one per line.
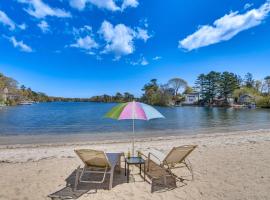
(246,99)
(191,98)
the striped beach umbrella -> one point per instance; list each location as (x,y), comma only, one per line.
(133,110)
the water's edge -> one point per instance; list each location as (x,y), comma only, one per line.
(60,140)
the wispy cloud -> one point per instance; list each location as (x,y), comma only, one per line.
(5,20)
(20,45)
(248,5)
(141,61)
(22,26)
(39,9)
(143,34)
(144,62)
(225,28)
(44,26)
(157,58)
(85,30)
(119,39)
(103,4)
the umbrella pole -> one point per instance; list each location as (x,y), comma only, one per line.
(133,141)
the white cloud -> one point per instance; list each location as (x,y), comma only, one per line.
(78,4)
(142,34)
(129,3)
(120,38)
(20,44)
(142,61)
(103,4)
(44,26)
(4,19)
(39,9)
(86,43)
(225,28)
(157,58)
(22,26)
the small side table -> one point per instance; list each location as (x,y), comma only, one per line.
(134,161)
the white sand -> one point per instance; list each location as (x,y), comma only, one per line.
(226,166)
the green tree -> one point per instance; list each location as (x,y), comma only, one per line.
(245,90)
(128,97)
(188,90)
(227,84)
(208,86)
(23,88)
(118,97)
(155,94)
(267,83)
(176,84)
(249,81)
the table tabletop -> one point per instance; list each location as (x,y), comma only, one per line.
(135,160)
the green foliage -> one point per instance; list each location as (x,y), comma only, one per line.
(15,95)
(267,84)
(118,97)
(154,94)
(217,85)
(211,86)
(249,81)
(176,84)
(11,102)
(245,90)
(263,102)
(228,83)
(7,82)
(208,85)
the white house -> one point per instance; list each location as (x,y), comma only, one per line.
(191,98)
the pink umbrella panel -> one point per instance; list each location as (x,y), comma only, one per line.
(133,110)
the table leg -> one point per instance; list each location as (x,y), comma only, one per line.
(140,168)
(144,171)
(125,167)
(127,172)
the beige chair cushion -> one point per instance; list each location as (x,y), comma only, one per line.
(93,158)
(178,154)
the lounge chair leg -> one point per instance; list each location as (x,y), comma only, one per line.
(165,180)
(188,165)
(111,179)
(119,165)
(77,178)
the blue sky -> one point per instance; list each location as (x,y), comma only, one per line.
(80,48)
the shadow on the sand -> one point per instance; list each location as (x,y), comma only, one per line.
(69,192)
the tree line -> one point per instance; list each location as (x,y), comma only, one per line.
(227,85)
(222,86)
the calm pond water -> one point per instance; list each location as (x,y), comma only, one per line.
(87,118)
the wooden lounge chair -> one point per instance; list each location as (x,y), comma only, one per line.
(97,162)
(176,156)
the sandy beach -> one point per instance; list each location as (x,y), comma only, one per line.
(226,166)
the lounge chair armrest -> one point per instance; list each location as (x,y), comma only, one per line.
(149,155)
(143,155)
